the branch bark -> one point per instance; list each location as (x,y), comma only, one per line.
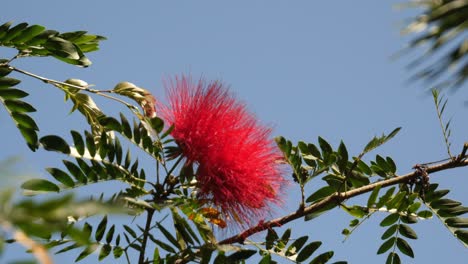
(339,197)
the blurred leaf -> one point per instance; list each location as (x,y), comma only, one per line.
(105,251)
(40,185)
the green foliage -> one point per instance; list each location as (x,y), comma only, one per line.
(18,109)
(449,211)
(441,27)
(106,153)
(440,105)
(35,40)
(297,250)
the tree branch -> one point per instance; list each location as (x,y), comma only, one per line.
(339,197)
(141,258)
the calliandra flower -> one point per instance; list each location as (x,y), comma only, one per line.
(237,163)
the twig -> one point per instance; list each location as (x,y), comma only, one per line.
(141,259)
(87,89)
(337,198)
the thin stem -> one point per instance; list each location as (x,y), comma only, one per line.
(145,236)
(175,165)
(337,198)
(358,224)
(87,89)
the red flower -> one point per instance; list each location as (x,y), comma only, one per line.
(237,160)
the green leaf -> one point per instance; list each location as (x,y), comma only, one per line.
(320,194)
(414,207)
(110,234)
(13,32)
(118,251)
(4,29)
(75,171)
(24,120)
(156,259)
(28,34)
(61,176)
(78,141)
(404,247)
(286,235)
(101,229)
(325,146)
(130,231)
(105,251)
(431,196)
(55,143)
(389,232)
(319,212)
(126,128)
(322,258)
(6,82)
(463,236)
(266,259)
(378,141)
(356,211)
(373,196)
(168,235)
(12,93)
(241,255)
(444,203)
(90,144)
(86,252)
(396,201)
(296,246)
(393,258)
(308,250)
(386,245)
(30,136)
(165,246)
(452,212)
(343,156)
(271,237)
(40,185)
(457,222)
(18,106)
(407,231)
(110,123)
(390,220)
(383,199)
(425,214)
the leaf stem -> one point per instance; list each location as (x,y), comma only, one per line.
(87,89)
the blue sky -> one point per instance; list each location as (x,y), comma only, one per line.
(308,68)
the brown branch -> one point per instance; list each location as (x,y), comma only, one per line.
(39,251)
(336,198)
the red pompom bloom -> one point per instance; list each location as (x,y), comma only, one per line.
(238,168)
